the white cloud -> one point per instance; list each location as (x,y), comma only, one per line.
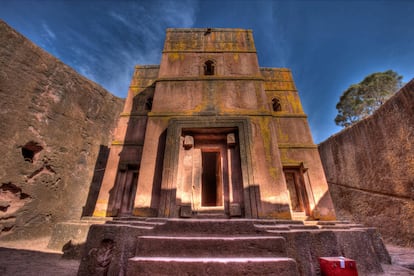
(180,13)
(145,27)
(48,31)
(278,38)
(120,18)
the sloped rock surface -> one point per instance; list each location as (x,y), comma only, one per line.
(370,169)
(53,125)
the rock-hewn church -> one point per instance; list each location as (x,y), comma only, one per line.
(210,133)
(212,169)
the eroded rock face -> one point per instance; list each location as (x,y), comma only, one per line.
(370,169)
(53,124)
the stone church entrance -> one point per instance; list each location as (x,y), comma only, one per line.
(212,186)
(209,131)
(211,164)
(297,189)
(124,189)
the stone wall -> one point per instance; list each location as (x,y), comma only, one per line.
(370,169)
(54,124)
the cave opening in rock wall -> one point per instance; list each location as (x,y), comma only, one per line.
(30,151)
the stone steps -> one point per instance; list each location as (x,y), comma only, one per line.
(210,215)
(234,246)
(206,246)
(210,247)
(138,223)
(299,216)
(212,227)
(286,227)
(211,266)
(306,225)
(277,222)
(132,219)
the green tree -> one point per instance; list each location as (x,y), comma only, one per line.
(362,99)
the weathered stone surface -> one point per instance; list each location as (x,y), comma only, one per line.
(209,131)
(208,246)
(70,236)
(108,249)
(212,266)
(370,169)
(193,246)
(53,123)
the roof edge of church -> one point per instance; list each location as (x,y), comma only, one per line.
(275,69)
(147,66)
(203,30)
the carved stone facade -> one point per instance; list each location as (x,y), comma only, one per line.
(209,132)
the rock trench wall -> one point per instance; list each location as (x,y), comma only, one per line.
(370,169)
(53,125)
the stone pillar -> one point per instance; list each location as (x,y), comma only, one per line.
(102,203)
(186,186)
(197,175)
(147,194)
(234,179)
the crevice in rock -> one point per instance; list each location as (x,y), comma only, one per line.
(7,229)
(46,168)
(10,187)
(30,151)
(13,189)
(49,168)
(7,218)
(4,205)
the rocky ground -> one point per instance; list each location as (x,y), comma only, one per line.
(33,258)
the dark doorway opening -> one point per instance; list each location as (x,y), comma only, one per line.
(212,191)
(297,190)
(126,184)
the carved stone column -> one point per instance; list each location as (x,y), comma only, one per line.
(187,177)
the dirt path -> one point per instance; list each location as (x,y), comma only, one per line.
(24,262)
(34,258)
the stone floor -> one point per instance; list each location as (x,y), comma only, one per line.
(32,258)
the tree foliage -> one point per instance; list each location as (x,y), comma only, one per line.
(362,99)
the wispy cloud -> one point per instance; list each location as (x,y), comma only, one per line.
(180,13)
(141,40)
(277,37)
(48,31)
(103,40)
(132,33)
(121,18)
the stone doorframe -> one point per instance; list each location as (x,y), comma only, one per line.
(168,206)
(306,192)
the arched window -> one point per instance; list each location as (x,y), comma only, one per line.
(276,105)
(209,68)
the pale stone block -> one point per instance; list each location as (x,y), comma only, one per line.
(231,140)
(235,210)
(188,142)
(185,211)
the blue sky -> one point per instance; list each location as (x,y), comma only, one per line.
(328,45)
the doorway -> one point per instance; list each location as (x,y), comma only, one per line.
(126,185)
(297,190)
(212,188)
(209,175)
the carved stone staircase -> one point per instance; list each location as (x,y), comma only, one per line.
(210,247)
(226,247)
(299,216)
